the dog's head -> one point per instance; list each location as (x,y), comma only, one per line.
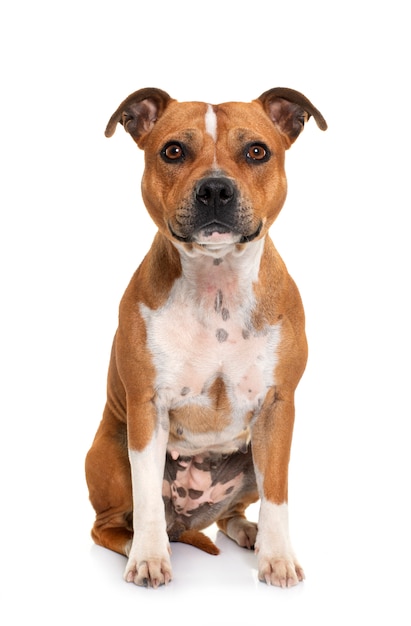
(214,174)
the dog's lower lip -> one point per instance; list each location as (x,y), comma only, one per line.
(222,229)
(217,228)
(206,231)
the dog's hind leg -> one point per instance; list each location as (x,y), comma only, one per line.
(109,482)
(236,526)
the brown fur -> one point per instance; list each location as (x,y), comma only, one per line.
(131,420)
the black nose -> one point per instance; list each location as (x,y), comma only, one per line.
(215,192)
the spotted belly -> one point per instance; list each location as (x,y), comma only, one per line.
(199,490)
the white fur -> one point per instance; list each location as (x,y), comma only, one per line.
(150,543)
(273,534)
(211,129)
(211,122)
(198,335)
(147,468)
(277,564)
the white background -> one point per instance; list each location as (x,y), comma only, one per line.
(73,230)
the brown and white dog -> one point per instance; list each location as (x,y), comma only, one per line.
(210,344)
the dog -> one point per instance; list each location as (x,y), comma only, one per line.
(210,344)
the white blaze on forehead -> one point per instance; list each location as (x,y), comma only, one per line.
(211,122)
(211,128)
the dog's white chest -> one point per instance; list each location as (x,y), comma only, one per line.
(206,352)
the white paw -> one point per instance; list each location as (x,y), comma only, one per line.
(280,571)
(277,564)
(150,573)
(148,568)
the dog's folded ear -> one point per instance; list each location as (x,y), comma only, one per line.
(139,112)
(289,110)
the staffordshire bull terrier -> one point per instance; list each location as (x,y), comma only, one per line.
(210,344)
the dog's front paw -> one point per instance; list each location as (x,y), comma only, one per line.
(280,571)
(277,564)
(148,566)
(152,572)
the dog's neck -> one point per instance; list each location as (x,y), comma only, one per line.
(209,273)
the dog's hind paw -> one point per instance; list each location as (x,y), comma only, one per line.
(150,573)
(280,572)
(242,531)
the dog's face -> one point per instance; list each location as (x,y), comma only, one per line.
(214,174)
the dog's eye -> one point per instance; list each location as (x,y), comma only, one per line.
(173,151)
(257,153)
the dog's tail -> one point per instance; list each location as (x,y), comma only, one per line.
(199,540)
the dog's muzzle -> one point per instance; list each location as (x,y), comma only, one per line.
(216,213)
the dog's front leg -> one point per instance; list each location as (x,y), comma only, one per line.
(149,555)
(272,435)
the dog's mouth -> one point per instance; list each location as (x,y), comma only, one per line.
(216,233)
(215,228)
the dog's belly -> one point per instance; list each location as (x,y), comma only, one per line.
(198,490)
(213,370)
